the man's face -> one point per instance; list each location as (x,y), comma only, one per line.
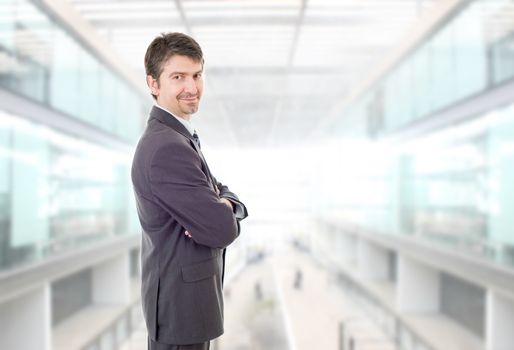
(179,87)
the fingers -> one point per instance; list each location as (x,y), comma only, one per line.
(227,203)
(188,234)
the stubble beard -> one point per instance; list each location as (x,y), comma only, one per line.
(190,108)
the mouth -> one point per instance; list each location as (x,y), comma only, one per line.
(189,99)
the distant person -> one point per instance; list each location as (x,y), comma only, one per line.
(298,279)
(188,218)
(258,290)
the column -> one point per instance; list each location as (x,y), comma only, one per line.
(499,321)
(111,281)
(25,322)
(418,286)
(373,261)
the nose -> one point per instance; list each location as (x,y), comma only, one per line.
(190,86)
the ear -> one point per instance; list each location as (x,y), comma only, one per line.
(153,84)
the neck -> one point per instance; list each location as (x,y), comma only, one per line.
(178,115)
(185,117)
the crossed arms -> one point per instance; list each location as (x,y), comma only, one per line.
(180,186)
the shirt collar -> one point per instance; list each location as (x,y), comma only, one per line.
(187,124)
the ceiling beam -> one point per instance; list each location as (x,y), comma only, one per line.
(182,13)
(223,21)
(221,107)
(296,35)
(264,70)
(294,45)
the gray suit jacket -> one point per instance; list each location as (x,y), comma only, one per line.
(181,277)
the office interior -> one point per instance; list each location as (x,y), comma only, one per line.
(372,142)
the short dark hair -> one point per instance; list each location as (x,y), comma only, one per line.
(166,45)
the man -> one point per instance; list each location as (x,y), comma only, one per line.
(188,218)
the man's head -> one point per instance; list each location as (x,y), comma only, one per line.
(174,69)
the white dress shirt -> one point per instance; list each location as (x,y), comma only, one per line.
(184,122)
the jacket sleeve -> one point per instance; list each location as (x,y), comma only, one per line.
(240,210)
(182,189)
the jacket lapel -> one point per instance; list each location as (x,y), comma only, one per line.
(209,175)
(170,121)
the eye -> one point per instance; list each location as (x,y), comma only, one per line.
(176,77)
(198,76)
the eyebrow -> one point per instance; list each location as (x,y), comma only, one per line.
(184,73)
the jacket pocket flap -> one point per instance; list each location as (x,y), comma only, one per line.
(201,270)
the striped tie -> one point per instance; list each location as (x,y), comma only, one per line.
(197,139)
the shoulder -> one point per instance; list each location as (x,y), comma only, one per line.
(158,138)
(169,149)
(162,153)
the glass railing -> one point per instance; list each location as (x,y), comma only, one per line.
(58,193)
(452,188)
(41,60)
(469,54)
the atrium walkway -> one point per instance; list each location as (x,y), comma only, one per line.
(288,302)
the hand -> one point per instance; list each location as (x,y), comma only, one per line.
(227,203)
